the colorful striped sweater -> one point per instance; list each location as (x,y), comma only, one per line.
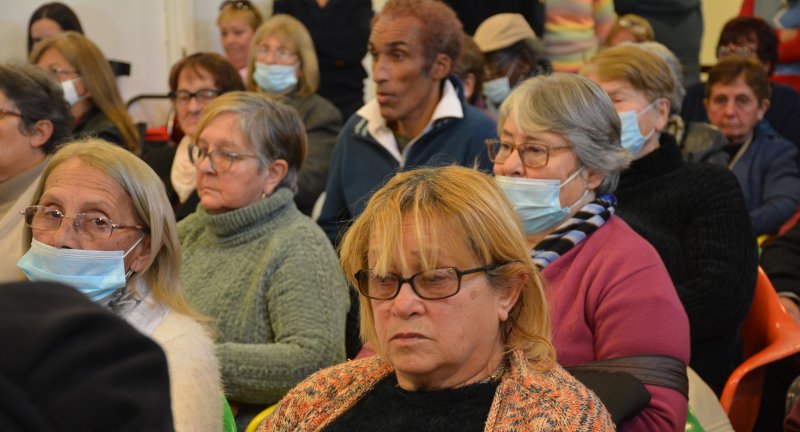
(573,29)
(525,399)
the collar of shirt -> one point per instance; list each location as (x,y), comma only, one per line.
(449,106)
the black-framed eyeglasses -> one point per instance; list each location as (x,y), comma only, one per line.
(531,155)
(237,4)
(5,113)
(90,225)
(221,161)
(434,284)
(204,96)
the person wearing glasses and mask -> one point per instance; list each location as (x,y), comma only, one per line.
(263,271)
(694,214)
(89,87)
(237,22)
(558,161)
(512,53)
(194,81)
(456,311)
(34,120)
(101,223)
(283,65)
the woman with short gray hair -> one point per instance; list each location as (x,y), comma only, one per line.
(34,119)
(263,271)
(611,299)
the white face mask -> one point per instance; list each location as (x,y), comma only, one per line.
(70,93)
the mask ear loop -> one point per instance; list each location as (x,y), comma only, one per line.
(130,249)
(585,187)
(649,107)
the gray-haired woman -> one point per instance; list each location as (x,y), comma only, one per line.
(558,160)
(265,272)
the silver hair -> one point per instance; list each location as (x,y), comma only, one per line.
(273,128)
(577,109)
(675,67)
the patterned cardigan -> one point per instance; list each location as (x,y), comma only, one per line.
(525,399)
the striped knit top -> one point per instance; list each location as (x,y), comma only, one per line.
(573,29)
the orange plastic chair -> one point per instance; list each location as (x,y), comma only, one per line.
(768,334)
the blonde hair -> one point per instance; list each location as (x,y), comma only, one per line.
(645,71)
(639,27)
(244,9)
(288,30)
(95,72)
(153,211)
(462,206)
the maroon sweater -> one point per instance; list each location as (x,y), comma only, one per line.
(610,296)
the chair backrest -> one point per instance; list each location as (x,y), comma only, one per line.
(228,422)
(768,334)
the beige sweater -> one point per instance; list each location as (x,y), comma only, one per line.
(195,385)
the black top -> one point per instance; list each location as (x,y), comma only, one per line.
(340,32)
(472,13)
(95,124)
(70,365)
(390,408)
(695,216)
(781,261)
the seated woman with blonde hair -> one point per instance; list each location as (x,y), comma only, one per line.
(89,87)
(283,65)
(455,308)
(101,223)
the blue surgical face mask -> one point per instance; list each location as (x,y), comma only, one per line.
(275,78)
(537,201)
(498,89)
(632,138)
(98,274)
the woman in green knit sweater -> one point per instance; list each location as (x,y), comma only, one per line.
(261,269)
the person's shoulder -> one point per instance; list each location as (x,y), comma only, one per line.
(334,381)
(785,93)
(189,228)
(561,398)
(317,109)
(766,133)
(477,119)
(618,241)
(299,228)
(177,326)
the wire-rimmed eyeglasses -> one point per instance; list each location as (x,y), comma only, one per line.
(221,161)
(90,225)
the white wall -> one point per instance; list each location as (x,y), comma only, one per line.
(715,14)
(151,35)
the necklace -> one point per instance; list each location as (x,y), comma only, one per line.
(495,376)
